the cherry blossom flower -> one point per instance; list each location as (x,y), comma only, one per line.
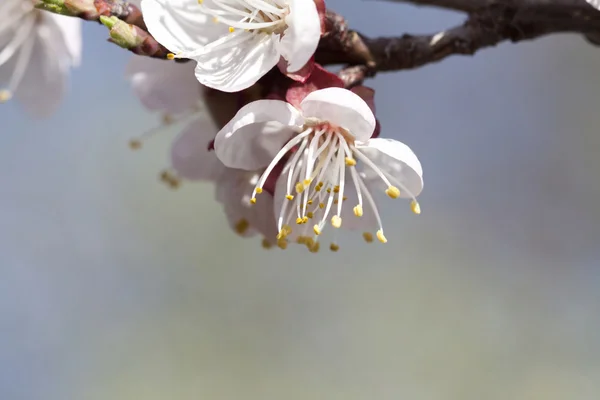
(37,51)
(236,42)
(170,88)
(330,159)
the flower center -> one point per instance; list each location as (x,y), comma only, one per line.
(318,174)
(18,18)
(265,16)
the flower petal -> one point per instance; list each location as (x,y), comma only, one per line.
(320,78)
(190,156)
(180,25)
(234,191)
(164,86)
(256,134)
(397,160)
(301,38)
(341,107)
(231,68)
(70,29)
(45,79)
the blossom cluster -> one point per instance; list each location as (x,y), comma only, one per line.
(293,154)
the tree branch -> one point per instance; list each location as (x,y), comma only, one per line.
(489,23)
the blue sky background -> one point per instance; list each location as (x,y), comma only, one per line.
(112,286)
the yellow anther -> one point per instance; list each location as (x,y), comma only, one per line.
(259,190)
(215,20)
(350,162)
(314,248)
(253,200)
(301,239)
(415,207)
(358,211)
(307,182)
(170,56)
(335,201)
(287,229)
(310,214)
(321,184)
(5,95)
(135,144)
(231,29)
(299,187)
(200,1)
(336,189)
(328,190)
(318,188)
(289,197)
(241,226)
(309,242)
(393,192)
(321,205)
(304,219)
(266,244)
(345,198)
(309,203)
(316,230)
(282,244)
(381,237)
(336,221)
(368,237)
(334,247)
(281,234)
(299,220)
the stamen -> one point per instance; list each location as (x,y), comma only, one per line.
(242,226)
(415,207)
(368,237)
(266,244)
(381,237)
(334,247)
(393,192)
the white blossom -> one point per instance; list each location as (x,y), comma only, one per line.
(171,89)
(330,161)
(37,51)
(235,42)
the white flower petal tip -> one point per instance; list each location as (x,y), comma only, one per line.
(235,43)
(342,108)
(328,176)
(37,51)
(301,38)
(256,134)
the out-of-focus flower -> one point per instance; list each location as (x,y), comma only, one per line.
(37,51)
(235,43)
(331,159)
(171,88)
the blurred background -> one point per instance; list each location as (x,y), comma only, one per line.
(113,286)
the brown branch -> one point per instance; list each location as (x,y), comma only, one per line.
(488,24)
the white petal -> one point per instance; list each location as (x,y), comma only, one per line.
(301,38)
(256,134)
(234,192)
(340,107)
(180,25)
(45,80)
(396,159)
(70,29)
(190,156)
(164,86)
(234,68)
